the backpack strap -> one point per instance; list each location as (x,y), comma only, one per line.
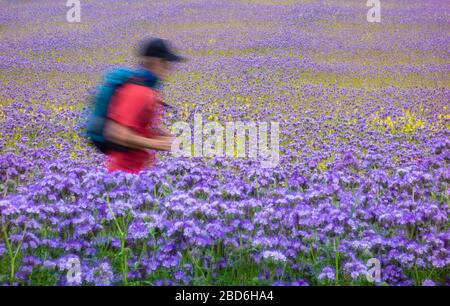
(134,81)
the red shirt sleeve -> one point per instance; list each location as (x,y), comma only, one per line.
(129,105)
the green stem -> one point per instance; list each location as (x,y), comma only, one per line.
(416,275)
(12,254)
(113,215)
(336,261)
(122,237)
(124,260)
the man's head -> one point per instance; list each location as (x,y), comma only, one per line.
(157,57)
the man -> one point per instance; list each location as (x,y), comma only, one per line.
(134,117)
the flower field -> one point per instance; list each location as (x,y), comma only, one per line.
(364,170)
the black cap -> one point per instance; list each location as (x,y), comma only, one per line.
(159,48)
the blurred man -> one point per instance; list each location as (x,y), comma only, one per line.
(134,116)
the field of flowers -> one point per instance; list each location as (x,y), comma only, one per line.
(364,113)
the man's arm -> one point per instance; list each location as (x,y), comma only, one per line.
(124,136)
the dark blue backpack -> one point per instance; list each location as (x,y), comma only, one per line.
(97,118)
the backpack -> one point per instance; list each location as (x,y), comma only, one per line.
(96,120)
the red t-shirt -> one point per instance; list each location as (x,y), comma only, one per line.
(138,108)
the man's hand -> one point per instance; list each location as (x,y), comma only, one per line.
(163,143)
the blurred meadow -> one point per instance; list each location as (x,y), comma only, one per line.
(364,173)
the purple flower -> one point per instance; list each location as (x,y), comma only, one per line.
(100,275)
(274,255)
(327,274)
(138,230)
(428,282)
